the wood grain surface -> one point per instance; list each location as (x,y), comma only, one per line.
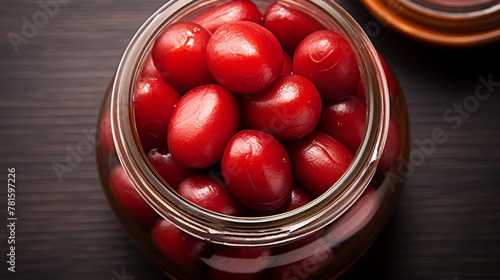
(52,81)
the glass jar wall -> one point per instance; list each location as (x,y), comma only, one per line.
(318,237)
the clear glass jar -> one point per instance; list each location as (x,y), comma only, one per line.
(317,241)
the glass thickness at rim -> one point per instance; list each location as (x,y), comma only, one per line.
(249,231)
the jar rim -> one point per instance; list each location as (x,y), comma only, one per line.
(249,231)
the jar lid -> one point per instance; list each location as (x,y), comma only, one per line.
(451,23)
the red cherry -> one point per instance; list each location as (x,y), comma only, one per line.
(345,121)
(169,169)
(231,11)
(179,55)
(238,263)
(128,197)
(202,123)
(153,103)
(149,69)
(289,109)
(105,134)
(177,246)
(327,59)
(210,194)
(257,170)
(244,57)
(289,25)
(318,161)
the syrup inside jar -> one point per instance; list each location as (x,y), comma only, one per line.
(217,156)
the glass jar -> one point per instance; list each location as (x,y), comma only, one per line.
(441,22)
(316,241)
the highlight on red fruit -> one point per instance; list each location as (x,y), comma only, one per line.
(327,59)
(244,57)
(257,170)
(289,25)
(202,122)
(289,109)
(231,11)
(153,102)
(318,161)
(179,54)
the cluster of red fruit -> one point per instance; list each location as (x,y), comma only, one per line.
(271,101)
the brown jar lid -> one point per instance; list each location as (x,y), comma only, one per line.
(455,23)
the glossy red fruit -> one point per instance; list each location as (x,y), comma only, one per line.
(345,121)
(327,59)
(149,69)
(355,218)
(130,200)
(210,194)
(257,170)
(391,82)
(318,161)
(177,246)
(169,169)
(238,263)
(153,102)
(105,134)
(244,57)
(231,11)
(179,54)
(289,25)
(202,123)
(289,109)
(287,64)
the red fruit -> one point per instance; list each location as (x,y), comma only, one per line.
(318,161)
(169,169)
(257,170)
(149,69)
(289,25)
(238,263)
(345,121)
(177,246)
(210,194)
(202,123)
(132,203)
(179,55)
(244,57)
(231,11)
(105,134)
(355,218)
(153,103)
(289,109)
(327,59)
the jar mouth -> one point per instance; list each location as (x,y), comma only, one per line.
(250,231)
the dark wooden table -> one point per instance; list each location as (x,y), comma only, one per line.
(52,80)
